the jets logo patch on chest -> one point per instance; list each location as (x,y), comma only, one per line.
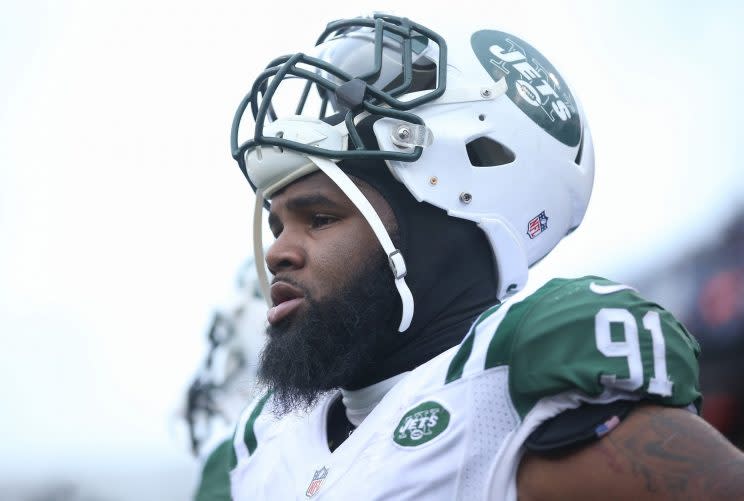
(421,424)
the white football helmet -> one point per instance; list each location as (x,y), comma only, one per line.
(479,124)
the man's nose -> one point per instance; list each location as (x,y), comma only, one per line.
(285,254)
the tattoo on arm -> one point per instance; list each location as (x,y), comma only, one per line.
(677,455)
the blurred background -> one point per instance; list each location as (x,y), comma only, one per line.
(124,221)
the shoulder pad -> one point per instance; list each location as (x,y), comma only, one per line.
(597,337)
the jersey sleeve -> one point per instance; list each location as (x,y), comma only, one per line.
(599,338)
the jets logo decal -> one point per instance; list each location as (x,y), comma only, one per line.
(533,84)
(421,424)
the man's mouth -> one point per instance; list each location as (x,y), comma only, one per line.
(286,299)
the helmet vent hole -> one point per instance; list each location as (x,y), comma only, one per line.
(485,152)
(482,117)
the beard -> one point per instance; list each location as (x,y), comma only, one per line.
(333,343)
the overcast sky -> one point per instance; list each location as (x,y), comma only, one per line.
(123,218)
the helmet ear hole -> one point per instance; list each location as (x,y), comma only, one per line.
(485,152)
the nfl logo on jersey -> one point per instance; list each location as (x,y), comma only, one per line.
(316,482)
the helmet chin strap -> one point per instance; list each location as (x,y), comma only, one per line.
(258,251)
(395,258)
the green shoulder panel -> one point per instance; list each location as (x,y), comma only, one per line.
(249,434)
(215,478)
(592,335)
(457,365)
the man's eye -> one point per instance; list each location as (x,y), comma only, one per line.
(321,220)
(276,230)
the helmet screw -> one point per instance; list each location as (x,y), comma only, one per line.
(403,132)
(433,180)
(465,197)
(486,93)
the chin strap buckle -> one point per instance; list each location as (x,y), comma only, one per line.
(397,264)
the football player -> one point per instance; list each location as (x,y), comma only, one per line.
(409,188)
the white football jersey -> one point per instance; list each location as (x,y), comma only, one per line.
(455,427)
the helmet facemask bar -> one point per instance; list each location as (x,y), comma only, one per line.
(374,100)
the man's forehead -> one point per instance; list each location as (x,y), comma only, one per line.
(319,183)
(316,186)
(314,180)
(318,189)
